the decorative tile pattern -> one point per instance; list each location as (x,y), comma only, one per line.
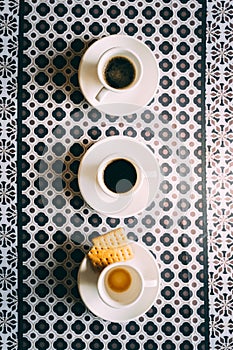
(219,111)
(57,127)
(8,200)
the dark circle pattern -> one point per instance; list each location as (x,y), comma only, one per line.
(62,127)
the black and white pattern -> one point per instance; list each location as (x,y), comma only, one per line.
(57,127)
(8,174)
(219,114)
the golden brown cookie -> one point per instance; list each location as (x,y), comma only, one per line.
(109,248)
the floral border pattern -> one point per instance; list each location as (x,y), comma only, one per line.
(219,115)
(8,174)
(219,175)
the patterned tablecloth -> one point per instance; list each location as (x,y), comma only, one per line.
(47,125)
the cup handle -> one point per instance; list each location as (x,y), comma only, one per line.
(101,94)
(151,283)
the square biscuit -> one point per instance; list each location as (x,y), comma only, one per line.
(113,239)
(103,257)
(111,247)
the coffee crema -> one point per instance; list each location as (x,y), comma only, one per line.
(119,72)
(120,176)
(119,280)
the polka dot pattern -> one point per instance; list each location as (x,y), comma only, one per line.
(59,125)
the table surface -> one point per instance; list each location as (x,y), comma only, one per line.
(47,125)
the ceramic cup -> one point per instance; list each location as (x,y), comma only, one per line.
(122,285)
(119,175)
(119,70)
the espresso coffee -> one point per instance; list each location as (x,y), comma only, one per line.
(119,280)
(120,176)
(119,72)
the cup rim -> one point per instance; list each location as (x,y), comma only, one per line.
(102,290)
(100,172)
(100,67)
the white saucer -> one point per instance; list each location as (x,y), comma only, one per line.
(121,206)
(87,284)
(118,103)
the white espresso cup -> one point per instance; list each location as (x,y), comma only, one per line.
(119,70)
(119,175)
(122,285)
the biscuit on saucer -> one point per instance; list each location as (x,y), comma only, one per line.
(109,248)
